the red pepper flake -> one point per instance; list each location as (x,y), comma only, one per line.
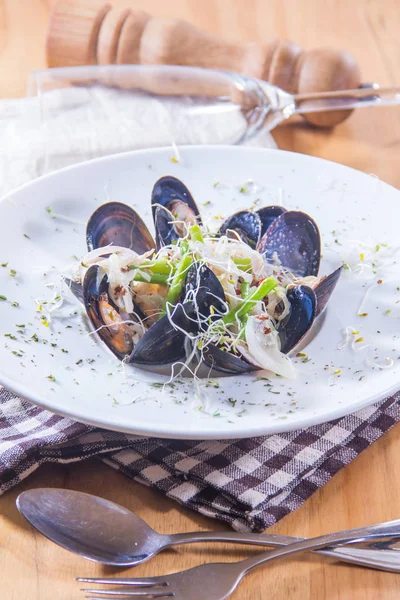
(380,281)
(119,291)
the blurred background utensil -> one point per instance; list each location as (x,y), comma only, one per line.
(190,105)
(102,531)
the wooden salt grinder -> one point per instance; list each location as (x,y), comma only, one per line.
(92,32)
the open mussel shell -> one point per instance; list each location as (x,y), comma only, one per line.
(294,241)
(246,224)
(118,224)
(172,201)
(75,287)
(303,306)
(323,290)
(226,362)
(165,342)
(203,288)
(104,315)
(267,215)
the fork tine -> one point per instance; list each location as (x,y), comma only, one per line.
(140,582)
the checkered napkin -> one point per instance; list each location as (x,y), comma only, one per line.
(250,483)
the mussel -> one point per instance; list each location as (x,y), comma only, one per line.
(113,328)
(293,241)
(226,362)
(75,287)
(169,339)
(203,288)
(268,214)
(173,209)
(244,224)
(323,290)
(118,224)
(114,224)
(164,342)
(292,329)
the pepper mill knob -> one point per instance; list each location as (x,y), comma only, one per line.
(92,32)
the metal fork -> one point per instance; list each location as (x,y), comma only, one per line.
(217,581)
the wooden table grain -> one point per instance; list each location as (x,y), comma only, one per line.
(367,491)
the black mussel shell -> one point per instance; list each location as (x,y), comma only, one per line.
(294,240)
(118,224)
(104,316)
(204,289)
(303,305)
(324,289)
(164,342)
(267,215)
(226,362)
(75,287)
(246,224)
(171,200)
(166,232)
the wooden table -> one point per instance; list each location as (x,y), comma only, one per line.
(368,491)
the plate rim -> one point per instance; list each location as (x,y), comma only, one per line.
(154,431)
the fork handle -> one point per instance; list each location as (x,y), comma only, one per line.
(373,534)
(368,556)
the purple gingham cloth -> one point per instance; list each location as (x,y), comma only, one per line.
(250,483)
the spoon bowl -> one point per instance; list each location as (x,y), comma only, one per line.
(92,527)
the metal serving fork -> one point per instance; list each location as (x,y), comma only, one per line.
(217,581)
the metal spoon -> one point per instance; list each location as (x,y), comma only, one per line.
(105,532)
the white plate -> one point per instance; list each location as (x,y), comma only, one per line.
(90,384)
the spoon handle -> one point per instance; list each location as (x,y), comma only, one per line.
(374,534)
(368,555)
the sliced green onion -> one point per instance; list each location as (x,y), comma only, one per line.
(244,289)
(159,278)
(178,280)
(250,300)
(244,264)
(195,234)
(160,266)
(184,246)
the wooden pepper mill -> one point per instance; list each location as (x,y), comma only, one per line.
(83,32)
